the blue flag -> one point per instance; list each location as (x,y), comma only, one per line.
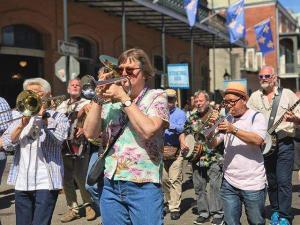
(264,37)
(235,21)
(191,7)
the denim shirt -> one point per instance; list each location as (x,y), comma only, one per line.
(177,121)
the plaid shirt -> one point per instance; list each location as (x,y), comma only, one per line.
(55,133)
(4,117)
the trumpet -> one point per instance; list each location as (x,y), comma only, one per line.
(29,103)
(89,84)
(210,133)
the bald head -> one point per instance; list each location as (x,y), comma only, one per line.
(267,70)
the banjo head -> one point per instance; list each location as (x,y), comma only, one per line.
(190,143)
(267,146)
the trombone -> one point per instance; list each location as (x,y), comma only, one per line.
(89,84)
(29,103)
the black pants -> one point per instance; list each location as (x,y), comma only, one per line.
(279,168)
(35,207)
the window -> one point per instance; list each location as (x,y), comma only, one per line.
(21,36)
(250,58)
(84,47)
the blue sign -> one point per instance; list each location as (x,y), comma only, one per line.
(242,81)
(178,76)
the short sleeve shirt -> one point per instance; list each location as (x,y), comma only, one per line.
(244,163)
(133,158)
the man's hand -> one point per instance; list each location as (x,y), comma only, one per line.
(24,121)
(79,132)
(214,117)
(226,127)
(291,117)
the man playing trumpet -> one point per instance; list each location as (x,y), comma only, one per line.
(37,168)
(244,179)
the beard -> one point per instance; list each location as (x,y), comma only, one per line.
(203,108)
(265,86)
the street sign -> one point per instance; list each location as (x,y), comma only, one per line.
(68,48)
(60,68)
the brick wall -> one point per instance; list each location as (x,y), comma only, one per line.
(95,25)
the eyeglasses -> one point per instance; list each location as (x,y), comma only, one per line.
(264,76)
(231,102)
(128,70)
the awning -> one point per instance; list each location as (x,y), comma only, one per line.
(171,12)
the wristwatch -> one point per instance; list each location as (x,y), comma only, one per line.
(127,103)
(235,130)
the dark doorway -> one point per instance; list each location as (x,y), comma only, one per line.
(14,70)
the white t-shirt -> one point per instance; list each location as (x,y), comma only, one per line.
(244,163)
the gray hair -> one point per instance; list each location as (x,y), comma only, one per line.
(37,81)
(206,95)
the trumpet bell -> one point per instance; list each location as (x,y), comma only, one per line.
(88,86)
(28,103)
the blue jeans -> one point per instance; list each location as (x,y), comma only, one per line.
(2,163)
(129,203)
(95,189)
(35,207)
(279,168)
(233,198)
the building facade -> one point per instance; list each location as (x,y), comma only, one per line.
(285,58)
(30,30)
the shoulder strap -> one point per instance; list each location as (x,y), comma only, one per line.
(126,120)
(274,108)
(253,118)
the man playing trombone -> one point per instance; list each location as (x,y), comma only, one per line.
(37,168)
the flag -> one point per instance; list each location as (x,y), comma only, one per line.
(235,21)
(191,7)
(264,37)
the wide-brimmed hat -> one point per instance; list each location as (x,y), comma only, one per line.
(237,88)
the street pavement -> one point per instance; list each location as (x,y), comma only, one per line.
(7,204)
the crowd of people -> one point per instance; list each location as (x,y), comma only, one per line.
(142,138)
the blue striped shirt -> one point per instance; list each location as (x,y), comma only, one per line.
(50,142)
(4,117)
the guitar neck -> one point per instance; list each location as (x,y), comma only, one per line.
(278,122)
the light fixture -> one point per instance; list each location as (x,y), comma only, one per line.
(23,63)
(16,76)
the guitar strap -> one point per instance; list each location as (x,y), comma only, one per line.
(274,108)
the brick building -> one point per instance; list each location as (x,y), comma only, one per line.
(30,30)
(245,63)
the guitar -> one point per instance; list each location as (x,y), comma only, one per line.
(270,143)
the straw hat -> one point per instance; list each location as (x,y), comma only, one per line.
(236,88)
(171,93)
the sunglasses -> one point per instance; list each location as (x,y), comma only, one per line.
(266,76)
(128,70)
(231,102)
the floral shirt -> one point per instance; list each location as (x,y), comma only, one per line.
(195,125)
(132,157)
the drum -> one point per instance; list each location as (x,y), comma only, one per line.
(191,153)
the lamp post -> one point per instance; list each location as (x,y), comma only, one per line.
(226,75)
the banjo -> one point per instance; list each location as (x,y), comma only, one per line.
(270,144)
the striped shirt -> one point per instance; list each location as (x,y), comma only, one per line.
(47,142)
(4,117)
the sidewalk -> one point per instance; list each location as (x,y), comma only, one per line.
(7,212)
